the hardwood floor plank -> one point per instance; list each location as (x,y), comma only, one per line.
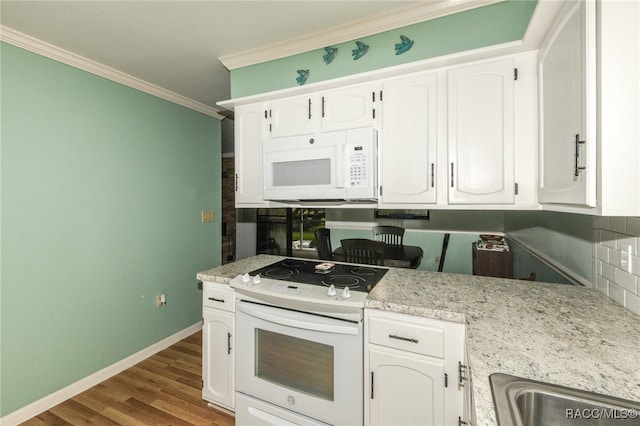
(51,419)
(164,389)
(75,413)
(146,413)
(186,411)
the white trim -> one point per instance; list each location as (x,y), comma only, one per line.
(82,385)
(50,51)
(365,27)
(453,59)
(331,224)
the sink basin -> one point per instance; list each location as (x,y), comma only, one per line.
(524,402)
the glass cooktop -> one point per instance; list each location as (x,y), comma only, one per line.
(356,277)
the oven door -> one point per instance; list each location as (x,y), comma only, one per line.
(305,363)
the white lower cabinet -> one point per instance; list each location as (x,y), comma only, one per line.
(218,344)
(412,369)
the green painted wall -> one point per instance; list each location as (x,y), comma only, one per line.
(481,27)
(102,189)
(566,238)
(524,263)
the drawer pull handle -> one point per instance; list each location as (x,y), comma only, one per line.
(406,339)
(215,299)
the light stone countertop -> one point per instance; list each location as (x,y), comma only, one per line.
(562,334)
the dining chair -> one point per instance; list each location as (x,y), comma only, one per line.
(389,234)
(361,250)
(323,244)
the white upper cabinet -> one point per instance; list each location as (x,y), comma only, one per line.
(589,69)
(340,109)
(409,140)
(463,136)
(481,133)
(347,108)
(567,95)
(248,128)
(292,117)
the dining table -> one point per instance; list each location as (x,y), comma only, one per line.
(398,256)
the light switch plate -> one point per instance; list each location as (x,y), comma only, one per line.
(207,216)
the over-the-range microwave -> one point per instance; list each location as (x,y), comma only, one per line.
(340,166)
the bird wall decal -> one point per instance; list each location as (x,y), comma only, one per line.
(405,45)
(360,51)
(330,55)
(303,75)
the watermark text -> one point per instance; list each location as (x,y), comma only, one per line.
(601,413)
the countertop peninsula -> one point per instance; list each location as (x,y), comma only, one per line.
(563,334)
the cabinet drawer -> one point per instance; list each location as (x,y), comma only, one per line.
(407,336)
(218,297)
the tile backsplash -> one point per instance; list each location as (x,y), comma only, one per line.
(616,259)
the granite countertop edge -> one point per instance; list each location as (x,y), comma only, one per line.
(554,333)
(541,331)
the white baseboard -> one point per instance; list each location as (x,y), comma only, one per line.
(49,401)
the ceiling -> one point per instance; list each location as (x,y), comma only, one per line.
(176,45)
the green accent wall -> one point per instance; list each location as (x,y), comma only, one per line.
(102,192)
(481,27)
(566,238)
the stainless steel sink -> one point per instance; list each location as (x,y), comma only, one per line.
(524,402)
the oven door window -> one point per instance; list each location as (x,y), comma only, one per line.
(295,363)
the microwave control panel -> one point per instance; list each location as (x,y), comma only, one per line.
(357,165)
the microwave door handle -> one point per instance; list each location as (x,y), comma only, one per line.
(341,166)
(299,323)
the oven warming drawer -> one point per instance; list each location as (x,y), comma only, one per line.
(251,411)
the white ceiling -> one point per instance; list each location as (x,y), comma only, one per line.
(176,45)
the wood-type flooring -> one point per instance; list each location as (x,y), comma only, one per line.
(164,389)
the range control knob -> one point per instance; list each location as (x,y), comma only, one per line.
(332,291)
(246,278)
(257,279)
(346,293)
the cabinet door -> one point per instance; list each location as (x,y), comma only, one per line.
(248,127)
(408,142)
(481,134)
(567,168)
(349,108)
(292,117)
(405,389)
(218,357)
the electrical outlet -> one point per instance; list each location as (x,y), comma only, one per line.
(625,257)
(208,216)
(161,300)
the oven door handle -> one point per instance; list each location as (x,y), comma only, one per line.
(264,314)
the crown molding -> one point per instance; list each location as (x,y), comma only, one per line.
(50,51)
(365,27)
